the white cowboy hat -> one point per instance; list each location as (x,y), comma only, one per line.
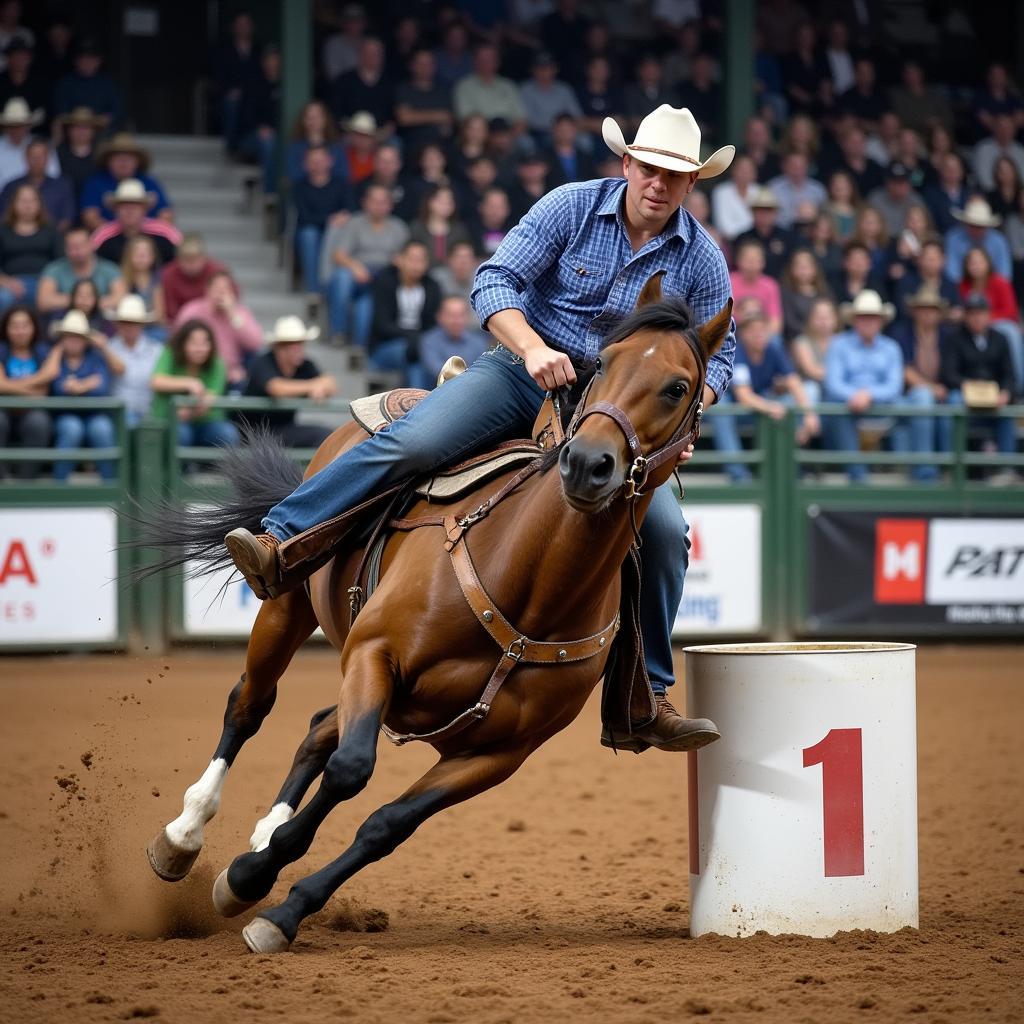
(74,322)
(289,329)
(362,123)
(16,112)
(978,214)
(867,303)
(668,137)
(762,198)
(130,190)
(132,310)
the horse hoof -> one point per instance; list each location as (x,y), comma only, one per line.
(170,862)
(263,936)
(225,901)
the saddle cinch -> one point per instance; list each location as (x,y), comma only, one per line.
(627,700)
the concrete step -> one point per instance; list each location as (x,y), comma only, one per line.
(258,275)
(220,222)
(181,145)
(205,199)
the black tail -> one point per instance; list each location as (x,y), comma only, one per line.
(260,473)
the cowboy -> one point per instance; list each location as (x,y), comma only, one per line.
(77,152)
(132,355)
(978,227)
(120,158)
(864,367)
(16,120)
(558,284)
(130,203)
(777,242)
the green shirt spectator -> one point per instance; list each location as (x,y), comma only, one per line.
(189,365)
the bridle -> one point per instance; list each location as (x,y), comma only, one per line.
(642,465)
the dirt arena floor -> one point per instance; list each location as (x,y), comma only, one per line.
(561,895)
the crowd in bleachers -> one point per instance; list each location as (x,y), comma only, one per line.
(873,218)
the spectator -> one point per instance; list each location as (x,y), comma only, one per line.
(775,242)
(314,128)
(803,284)
(794,186)
(423,104)
(757,144)
(258,117)
(871,232)
(923,340)
(647,92)
(977,352)
(750,281)
(321,200)
(86,299)
(916,104)
(365,88)
(839,57)
(1004,198)
(87,86)
(1003,312)
(431,174)
(76,154)
(405,304)
(454,60)
(140,272)
(55,192)
(940,144)
(79,262)
(470,140)
(843,204)
(387,172)
(895,197)
(24,373)
(502,141)
(437,228)
(810,348)
(567,159)
(998,97)
(978,227)
(928,273)
(16,120)
(456,276)
(905,246)
(487,93)
(730,210)
(120,158)
(20,78)
(186,277)
(235,330)
(884,144)
(1001,143)
(823,243)
(82,371)
(544,97)
(1015,238)
(857,273)
(131,202)
(864,367)
(852,159)
(687,47)
(236,67)
(133,355)
(189,365)
(531,183)
(910,153)
(765,382)
(599,96)
(28,243)
(360,147)
(453,336)
(863,100)
(341,50)
(806,74)
(352,254)
(948,194)
(286,372)
(494,221)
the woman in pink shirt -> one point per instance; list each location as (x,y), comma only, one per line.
(235,329)
(750,281)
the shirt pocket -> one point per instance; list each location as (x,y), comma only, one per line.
(585,280)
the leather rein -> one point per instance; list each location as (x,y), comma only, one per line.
(517,648)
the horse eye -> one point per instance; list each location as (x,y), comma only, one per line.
(676,390)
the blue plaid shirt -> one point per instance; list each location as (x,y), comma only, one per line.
(569,266)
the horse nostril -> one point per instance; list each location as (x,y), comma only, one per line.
(565,461)
(602,469)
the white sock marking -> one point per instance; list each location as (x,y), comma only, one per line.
(277,815)
(202,799)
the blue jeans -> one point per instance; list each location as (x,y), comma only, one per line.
(394,355)
(212,433)
(1002,426)
(494,400)
(726,438)
(8,298)
(922,433)
(1011,331)
(264,151)
(307,247)
(95,430)
(839,434)
(349,306)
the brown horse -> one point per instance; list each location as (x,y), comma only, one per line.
(423,648)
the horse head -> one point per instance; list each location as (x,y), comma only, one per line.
(644,403)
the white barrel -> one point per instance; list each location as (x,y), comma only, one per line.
(803,816)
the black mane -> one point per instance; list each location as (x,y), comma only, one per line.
(670,314)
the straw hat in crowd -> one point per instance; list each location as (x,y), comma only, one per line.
(132,310)
(82,115)
(122,142)
(17,114)
(288,329)
(761,197)
(867,303)
(130,190)
(978,214)
(668,137)
(927,297)
(74,322)
(361,123)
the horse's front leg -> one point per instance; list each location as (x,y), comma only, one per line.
(450,781)
(365,694)
(281,627)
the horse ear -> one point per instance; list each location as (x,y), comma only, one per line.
(712,333)
(651,291)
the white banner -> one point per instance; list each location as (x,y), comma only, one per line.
(57,575)
(216,607)
(723,583)
(975,561)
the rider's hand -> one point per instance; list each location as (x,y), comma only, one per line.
(550,369)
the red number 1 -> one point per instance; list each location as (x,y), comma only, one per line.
(842,799)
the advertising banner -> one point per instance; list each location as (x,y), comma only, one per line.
(58,569)
(218,605)
(871,567)
(723,583)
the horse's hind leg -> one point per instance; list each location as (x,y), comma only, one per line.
(449,782)
(310,760)
(281,627)
(365,693)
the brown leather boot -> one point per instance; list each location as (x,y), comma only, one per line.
(255,557)
(668,731)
